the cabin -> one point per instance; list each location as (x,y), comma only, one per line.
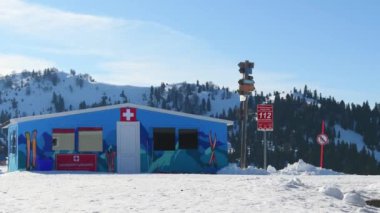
(125,138)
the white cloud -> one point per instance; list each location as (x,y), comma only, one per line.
(10,63)
(128,52)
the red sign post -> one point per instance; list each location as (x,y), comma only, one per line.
(265,123)
(322,139)
(265,117)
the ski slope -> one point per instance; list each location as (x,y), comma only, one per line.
(90,192)
(349,136)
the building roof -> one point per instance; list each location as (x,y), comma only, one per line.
(74,112)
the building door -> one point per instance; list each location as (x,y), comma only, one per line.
(128,147)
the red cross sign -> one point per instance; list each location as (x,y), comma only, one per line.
(128,114)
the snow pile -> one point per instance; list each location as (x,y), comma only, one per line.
(294,183)
(354,198)
(332,191)
(271,169)
(302,168)
(233,169)
(3,169)
(298,168)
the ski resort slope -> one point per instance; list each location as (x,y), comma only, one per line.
(89,192)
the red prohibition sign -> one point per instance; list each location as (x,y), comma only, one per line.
(322,139)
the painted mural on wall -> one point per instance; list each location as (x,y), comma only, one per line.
(41,141)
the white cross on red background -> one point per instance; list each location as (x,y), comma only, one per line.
(127,114)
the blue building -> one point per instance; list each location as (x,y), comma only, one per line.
(124,138)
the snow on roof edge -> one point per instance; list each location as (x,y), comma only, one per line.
(75,112)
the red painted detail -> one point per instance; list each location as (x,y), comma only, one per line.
(128,114)
(265,117)
(111,161)
(212,142)
(64,131)
(90,129)
(323,127)
(322,153)
(322,139)
(76,162)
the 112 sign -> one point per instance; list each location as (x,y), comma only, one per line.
(265,117)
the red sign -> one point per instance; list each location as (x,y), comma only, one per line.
(75,162)
(128,114)
(264,117)
(322,139)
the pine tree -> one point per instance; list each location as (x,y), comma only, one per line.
(208,105)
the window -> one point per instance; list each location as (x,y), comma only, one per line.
(164,138)
(63,139)
(188,139)
(13,142)
(90,139)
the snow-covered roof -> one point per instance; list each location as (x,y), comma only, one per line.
(74,112)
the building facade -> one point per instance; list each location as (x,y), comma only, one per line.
(123,138)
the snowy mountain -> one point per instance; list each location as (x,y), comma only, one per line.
(32,93)
(353,129)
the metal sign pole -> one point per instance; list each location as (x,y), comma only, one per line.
(265,150)
(242,128)
(245,131)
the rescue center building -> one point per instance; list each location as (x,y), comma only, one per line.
(124,138)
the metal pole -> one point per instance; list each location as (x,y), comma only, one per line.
(265,150)
(245,131)
(242,150)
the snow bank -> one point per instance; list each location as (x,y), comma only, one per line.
(298,168)
(271,169)
(233,169)
(3,169)
(354,198)
(294,183)
(332,191)
(302,168)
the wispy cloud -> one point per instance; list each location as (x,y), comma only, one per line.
(123,51)
(10,63)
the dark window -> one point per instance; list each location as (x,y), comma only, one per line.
(164,138)
(13,142)
(188,139)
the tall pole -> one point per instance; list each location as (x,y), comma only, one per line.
(265,150)
(246,86)
(242,134)
(245,131)
(322,146)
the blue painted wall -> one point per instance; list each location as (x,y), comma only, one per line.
(188,161)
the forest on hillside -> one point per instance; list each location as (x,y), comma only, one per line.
(298,122)
(297,117)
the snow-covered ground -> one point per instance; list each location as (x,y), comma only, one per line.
(89,192)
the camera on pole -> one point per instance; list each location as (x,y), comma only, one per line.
(246,87)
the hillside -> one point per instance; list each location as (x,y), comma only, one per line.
(354,130)
(49,91)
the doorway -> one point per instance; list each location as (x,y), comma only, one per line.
(128,147)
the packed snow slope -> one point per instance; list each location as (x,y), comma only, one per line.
(94,192)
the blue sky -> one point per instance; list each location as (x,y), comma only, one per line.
(332,46)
